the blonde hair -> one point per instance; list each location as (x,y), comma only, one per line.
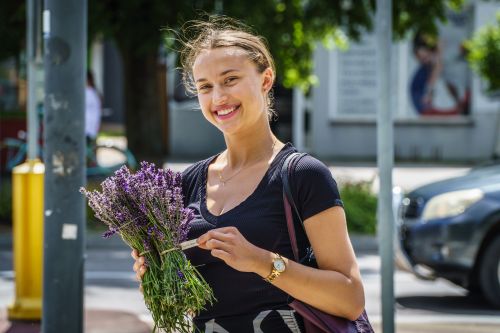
(221,31)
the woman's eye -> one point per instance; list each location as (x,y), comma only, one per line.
(204,88)
(230,79)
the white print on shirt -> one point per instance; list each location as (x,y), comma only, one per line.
(288,317)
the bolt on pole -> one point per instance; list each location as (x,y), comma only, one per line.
(385,161)
(65,38)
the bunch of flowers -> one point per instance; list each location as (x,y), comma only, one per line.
(146,209)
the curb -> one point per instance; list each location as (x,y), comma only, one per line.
(360,243)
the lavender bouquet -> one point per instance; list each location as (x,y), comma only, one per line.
(146,210)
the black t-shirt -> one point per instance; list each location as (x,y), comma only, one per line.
(245,302)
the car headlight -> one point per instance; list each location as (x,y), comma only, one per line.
(451,204)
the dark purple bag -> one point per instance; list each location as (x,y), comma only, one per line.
(315,321)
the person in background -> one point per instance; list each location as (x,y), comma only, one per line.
(93,111)
(429,76)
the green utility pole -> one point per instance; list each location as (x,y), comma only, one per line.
(65,38)
(385,161)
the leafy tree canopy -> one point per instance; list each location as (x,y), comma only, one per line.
(292,27)
(12,28)
(484,54)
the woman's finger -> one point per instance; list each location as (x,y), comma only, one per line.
(216,244)
(139,273)
(216,234)
(138,263)
(135,254)
(221,254)
(142,271)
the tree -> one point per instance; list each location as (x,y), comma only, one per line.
(12,28)
(292,28)
(484,54)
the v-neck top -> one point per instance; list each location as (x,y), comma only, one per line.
(243,297)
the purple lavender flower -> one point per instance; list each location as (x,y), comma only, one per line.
(147,209)
(181,275)
(109,233)
(146,205)
(185,224)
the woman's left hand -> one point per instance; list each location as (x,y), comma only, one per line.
(229,245)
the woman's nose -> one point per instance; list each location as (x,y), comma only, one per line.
(219,96)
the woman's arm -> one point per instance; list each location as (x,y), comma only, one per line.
(335,288)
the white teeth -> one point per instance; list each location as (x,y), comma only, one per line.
(226,111)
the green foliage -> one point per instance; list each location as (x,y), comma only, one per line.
(410,17)
(360,206)
(484,54)
(12,28)
(5,201)
(292,27)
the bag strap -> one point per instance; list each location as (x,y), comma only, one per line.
(286,170)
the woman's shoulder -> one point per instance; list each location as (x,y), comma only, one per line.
(309,166)
(313,187)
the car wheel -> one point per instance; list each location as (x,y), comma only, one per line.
(490,272)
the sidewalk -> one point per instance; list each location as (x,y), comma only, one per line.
(102,315)
(96,321)
(107,318)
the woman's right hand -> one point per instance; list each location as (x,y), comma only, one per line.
(139,266)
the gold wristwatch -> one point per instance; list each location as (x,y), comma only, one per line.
(278,267)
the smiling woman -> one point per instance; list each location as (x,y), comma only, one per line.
(237,197)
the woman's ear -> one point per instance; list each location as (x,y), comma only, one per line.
(268,79)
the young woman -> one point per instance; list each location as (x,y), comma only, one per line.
(240,224)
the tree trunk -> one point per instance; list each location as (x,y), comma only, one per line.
(145,112)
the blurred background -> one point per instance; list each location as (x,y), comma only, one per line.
(445,102)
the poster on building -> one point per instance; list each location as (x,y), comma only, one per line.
(440,83)
(430,74)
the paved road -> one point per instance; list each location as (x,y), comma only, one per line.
(421,306)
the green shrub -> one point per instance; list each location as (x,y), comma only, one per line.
(360,206)
(5,201)
(484,54)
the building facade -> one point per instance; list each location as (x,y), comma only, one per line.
(459,121)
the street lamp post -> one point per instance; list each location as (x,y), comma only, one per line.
(385,160)
(65,38)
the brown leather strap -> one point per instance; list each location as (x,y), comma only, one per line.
(291,228)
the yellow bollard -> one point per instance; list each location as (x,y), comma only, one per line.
(27,201)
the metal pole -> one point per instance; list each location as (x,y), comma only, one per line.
(385,160)
(298,119)
(33,19)
(65,35)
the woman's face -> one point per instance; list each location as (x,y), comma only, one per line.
(231,92)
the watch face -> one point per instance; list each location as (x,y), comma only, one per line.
(279,265)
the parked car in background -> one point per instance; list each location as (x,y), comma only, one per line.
(451,229)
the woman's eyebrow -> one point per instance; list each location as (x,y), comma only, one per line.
(228,71)
(221,74)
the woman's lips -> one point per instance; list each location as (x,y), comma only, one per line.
(228,115)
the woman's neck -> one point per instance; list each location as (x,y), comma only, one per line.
(246,149)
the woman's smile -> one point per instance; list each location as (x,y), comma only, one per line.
(226,112)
